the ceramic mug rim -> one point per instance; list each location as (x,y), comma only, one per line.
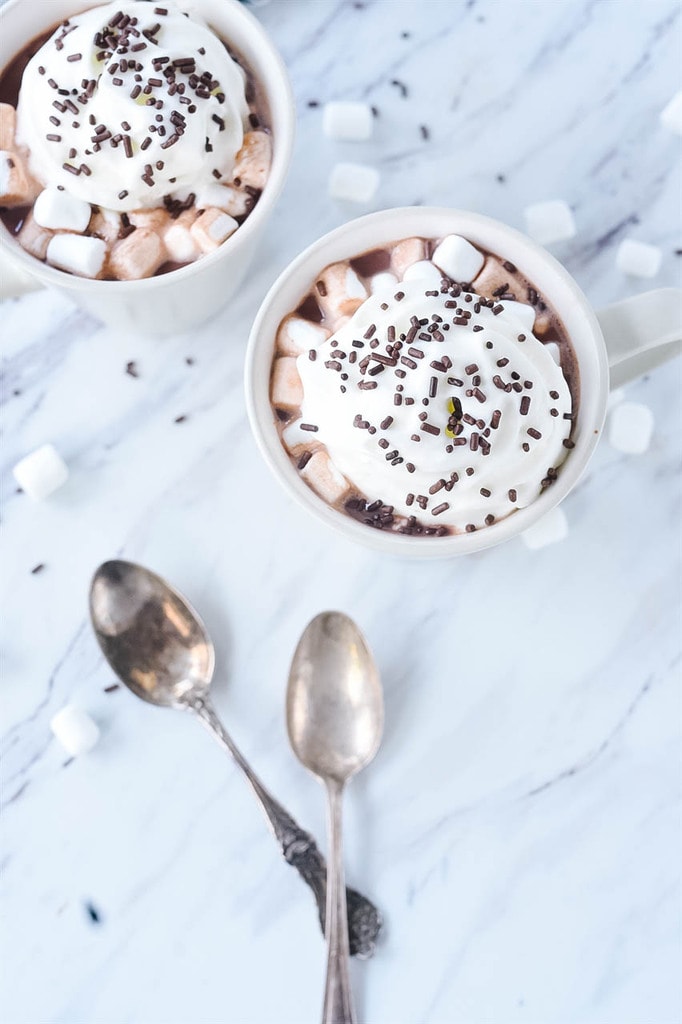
(389,225)
(274,79)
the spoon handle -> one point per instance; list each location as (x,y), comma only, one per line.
(338,996)
(298,846)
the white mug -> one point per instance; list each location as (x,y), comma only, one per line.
(622,341)
(183,298)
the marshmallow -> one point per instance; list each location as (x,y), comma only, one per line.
(638,259)
(60,211)
(296,335)
(75,730)
(8,126)
(552,528)
(671,115)
(424,271)
(213,228)
(138,256)
(630,427)
(286,389)
(324,478)
(355,182)
(554,351)
(157,219)
(294,437)
(458,258)
(492,277)
(33,238)
(41,472)
(407,252)
(551,221)
(225,197)
(351,122)
(339,290)
(252,163)
(78,254)
(180,245)
(524,313)
(17,188)
(106,224)
(383,282)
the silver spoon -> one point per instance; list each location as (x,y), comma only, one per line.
(335,715)
(159,648)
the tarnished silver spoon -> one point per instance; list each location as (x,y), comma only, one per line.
(159,648)
(335,717)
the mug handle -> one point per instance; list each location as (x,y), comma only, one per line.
(641,333)
(13,280)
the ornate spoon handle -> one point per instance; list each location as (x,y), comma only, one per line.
(298,846)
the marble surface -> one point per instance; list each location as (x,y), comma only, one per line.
(520,827)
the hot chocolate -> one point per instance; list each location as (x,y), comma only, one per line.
(425,388)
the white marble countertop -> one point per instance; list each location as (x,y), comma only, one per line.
(520,828)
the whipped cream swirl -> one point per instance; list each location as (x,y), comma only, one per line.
(129,103)
(442,404)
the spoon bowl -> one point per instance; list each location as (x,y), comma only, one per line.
(153,639)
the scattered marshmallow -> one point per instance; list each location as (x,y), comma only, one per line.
(225,197)
(213,228)
(458,258)
(638,259)
(339,290)
(78,254)
(17,188)
(138,256)
(61,211)
(33,238)
(41,472)
(286,389)
(383,283)
(351,122)
(554,351)
(8,126)
(297,335)
(524,313)
(324,478)
(252,163)
(550,221)
(356,183)
(671,115)
(552,528)
(75,730)
(424,270)
(615,398)
(407,252)
(631,425)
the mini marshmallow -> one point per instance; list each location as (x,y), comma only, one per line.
(524,313)
(383,283)
(41,472)
(638,259)
(78,254)
(178,240)
(407,252)
(343,290)
(424,271)
(17,188)
(252,162)
(458,258)
(8,126)
(552,528)
(631,425)
(324,478)
(542,325)
(550,221)
(33,238)
(213,228)
(75,730)
(491,277)
(138,256)
(61,211)
(155,219)
(106,224)
(554,351)
(356,183)
(352,122)
(225,197)
(286,388)
(295,438)
(671,115)
(296,335)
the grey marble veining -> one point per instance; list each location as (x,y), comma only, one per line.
(520,827)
